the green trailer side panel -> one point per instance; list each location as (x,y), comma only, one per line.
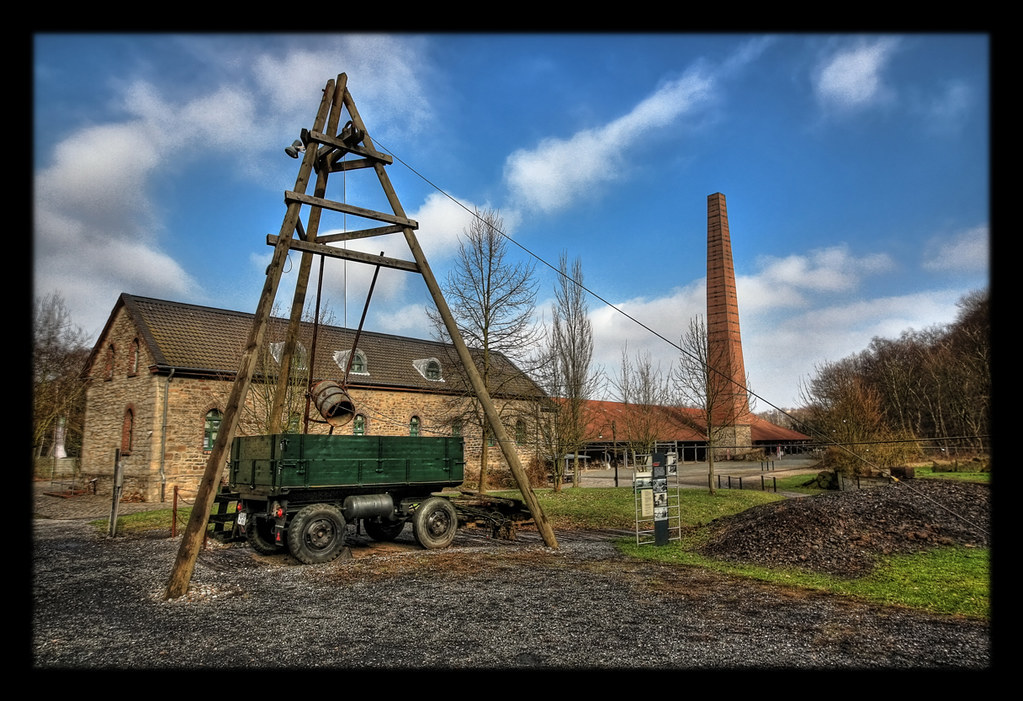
(287,461)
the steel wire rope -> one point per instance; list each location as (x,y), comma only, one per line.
(812,429)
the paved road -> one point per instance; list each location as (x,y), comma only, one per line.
(694,474)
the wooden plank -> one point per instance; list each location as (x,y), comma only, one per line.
(311,247)
(339,165)
(290,196)
(364,151)
(360,234)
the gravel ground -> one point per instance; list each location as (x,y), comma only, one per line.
(480,604)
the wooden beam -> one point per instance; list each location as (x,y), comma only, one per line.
(479,387)
(369,153)
(291,196)
(276,423)
(338,165)
(361,234)
(191,541)
(324,250)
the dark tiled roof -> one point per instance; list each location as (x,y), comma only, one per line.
(204,340)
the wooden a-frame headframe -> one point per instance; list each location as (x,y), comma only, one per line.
(324,146)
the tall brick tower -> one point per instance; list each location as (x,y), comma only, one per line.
(726,388)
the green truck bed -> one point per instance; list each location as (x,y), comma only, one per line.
(274,464)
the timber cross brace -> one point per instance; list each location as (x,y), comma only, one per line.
(322,154)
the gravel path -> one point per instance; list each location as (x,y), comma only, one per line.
(479,604)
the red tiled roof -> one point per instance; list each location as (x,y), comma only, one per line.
(607,421)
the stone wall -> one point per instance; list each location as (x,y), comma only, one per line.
(733,442)
(121,411)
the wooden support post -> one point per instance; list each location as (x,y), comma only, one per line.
(335,95)
(191,541)
(493,418)
(302,283)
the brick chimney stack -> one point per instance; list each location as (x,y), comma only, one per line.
(724,344)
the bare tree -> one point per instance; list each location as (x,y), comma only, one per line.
(58,390)
(698,384)
(932,384)
(492,300)
(645,391)
(846,412)
(565,370)
(257,414)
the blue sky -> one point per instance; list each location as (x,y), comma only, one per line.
(855,167)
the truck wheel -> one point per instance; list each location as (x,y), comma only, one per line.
(434,523)
(260,537)
(317,534)
(383,530)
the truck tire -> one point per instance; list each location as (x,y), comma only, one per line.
(434,523)
(259,535)
(317,534)
(381,530)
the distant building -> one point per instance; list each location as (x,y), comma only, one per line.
(612,428)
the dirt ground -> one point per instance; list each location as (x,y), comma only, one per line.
(481,604)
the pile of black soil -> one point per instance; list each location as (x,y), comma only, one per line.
(843,533)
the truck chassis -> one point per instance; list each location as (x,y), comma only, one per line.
(302,493)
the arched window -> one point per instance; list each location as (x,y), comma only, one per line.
(433,370)
(128,431)
(133,362)
(520,432)
(108,369)
(359,425)
(413,426)
(211,428)
(359,362)
(429,368)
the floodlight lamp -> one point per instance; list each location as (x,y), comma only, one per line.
(296,148)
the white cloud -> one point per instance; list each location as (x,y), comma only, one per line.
(779,348)
(386,76)
(853,77)
(798,279)
(441,223)
(666,316)
(100,225)
(557,171)
(965,252)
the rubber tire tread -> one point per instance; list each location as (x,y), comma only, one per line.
(432,512)
(297,531)
(259,536)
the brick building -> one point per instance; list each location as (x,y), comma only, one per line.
(161,372)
